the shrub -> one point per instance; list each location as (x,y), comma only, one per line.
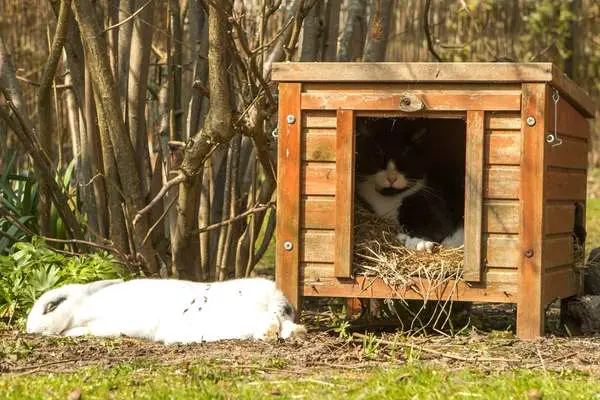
(30,269)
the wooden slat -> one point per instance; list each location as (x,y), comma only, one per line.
(570,121)
(503,147)
(318,212)
(558,251)
(503,121)
(288,194)
(566,185)
(361,287)
(572,153)
(559,218)
(500,182)
(473,195)
(432,101)
(318,119)
(500,216)
(401,87)
(387,72)
(574,92)
(318,178)
(501,251)
(317,246)
(319,145)
(560,283)
(530,313)
(344,193)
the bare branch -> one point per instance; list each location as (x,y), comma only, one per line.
(132,16)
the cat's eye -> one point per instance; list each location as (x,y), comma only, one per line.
(51,306)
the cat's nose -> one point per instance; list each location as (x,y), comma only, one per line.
(391,179)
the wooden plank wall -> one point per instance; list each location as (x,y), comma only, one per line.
(565,185)
(501,190)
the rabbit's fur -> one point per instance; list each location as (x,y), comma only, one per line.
(167,310)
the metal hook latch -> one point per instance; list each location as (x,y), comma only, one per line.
(552,137)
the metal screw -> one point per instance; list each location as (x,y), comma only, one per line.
(405,101)
(291,119)
(287,245)
(529,253)
(530,121)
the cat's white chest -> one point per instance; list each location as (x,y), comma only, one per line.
(383,206)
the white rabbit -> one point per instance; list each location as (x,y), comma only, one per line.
(167,310)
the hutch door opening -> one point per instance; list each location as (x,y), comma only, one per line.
(409,180)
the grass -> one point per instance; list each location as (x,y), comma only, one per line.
(592,224)
(207,380)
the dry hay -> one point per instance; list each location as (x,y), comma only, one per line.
(378,254)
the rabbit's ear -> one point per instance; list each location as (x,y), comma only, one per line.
(93,287)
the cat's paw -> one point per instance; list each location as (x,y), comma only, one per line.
(415,243)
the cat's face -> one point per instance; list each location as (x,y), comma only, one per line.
(391,160)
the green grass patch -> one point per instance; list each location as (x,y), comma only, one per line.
(215,381)
(592,224)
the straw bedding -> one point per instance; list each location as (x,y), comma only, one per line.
(377,253)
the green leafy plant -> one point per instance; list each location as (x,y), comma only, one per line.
(32,268)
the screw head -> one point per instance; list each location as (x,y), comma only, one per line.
(287,245)
(406,101)
(291,119)
(529,253)
(531,121)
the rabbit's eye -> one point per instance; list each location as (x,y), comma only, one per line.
(53,304)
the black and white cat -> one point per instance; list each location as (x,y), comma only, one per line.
(398,179)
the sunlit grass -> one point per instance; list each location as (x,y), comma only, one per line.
(207,380)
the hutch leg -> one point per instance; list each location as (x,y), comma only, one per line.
(530,319)
(354,307)
(530,311)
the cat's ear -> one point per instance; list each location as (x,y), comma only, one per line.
(418,136)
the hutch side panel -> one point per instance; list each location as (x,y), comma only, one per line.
(565,185)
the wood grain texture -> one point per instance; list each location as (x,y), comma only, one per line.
(502,147)
(361,287)
(471,72)
(344,193)
(572,153)
(501,216)
(318,212)
(411,72)
(560,283)
(569,121)
(503,121)
(566,184)
(318,119)
(558,252)
(473,195)
(319,178)
(431,101)
(502,182)
(288,194)
(530,313)
(501,251)
(559,218)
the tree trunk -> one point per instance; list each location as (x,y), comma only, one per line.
(312,32)
(332,11)
(377,34)
(353,29)
(126,8)
(136,96)
(176,116)
(107,95)
(218,126)
(45,112)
